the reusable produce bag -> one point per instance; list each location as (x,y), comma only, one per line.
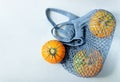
(87,40)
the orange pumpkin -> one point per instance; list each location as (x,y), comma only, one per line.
(53,51)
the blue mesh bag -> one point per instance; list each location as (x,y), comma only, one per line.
(87,40)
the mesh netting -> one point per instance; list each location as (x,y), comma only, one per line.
(100,44)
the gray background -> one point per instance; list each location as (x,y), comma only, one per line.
(24,29)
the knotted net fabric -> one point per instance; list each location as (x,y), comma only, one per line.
(102,45)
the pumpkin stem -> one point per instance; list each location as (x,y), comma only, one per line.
(52,51)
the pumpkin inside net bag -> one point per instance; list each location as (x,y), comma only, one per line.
(87,40)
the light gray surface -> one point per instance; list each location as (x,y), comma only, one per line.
(24,29)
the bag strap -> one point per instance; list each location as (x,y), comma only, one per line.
(65,13)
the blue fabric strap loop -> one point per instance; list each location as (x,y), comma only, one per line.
(70,32)
(65,13)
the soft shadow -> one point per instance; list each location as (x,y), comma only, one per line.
(107,70)
(109,65)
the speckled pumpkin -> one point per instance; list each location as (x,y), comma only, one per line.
(88,66)
(53,51)
(102,23)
